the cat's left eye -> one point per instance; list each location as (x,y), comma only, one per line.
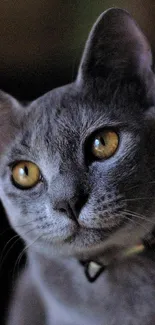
(25,174)
(105,144)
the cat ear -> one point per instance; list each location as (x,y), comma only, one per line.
(10,115)
(116,49)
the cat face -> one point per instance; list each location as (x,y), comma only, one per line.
(77,165)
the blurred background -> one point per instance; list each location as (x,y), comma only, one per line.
(40,47)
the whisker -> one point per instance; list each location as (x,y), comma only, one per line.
(136,222)
(11,228)
(109,201)
(146,240)
(3,257)
(24,225)
(17,226)
(139,198)
(131,220)
(134,186)
(143,218)
(4,231)
(29,222)
(22,253)
(6,245)
(139,216)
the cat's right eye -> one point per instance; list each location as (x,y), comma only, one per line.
(25,174)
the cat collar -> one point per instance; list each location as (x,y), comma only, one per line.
(94,269)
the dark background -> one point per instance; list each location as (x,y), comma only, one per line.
(40,47)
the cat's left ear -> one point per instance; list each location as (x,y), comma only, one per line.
(117,49)
(11,113)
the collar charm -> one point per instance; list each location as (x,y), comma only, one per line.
(93,270)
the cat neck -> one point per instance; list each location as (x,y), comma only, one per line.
(92,267)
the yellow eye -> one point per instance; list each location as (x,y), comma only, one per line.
(105,144)
(25,174)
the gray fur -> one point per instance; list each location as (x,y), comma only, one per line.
(81,207)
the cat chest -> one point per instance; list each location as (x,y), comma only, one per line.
(67,294)
(67,300)
(69,286)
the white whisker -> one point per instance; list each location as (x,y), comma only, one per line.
(22,253)
(4,256)
(137,223)
(139,216)
(139,198)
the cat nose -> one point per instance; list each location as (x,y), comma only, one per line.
(71,207)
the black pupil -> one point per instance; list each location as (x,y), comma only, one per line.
(26,170)
(102,141)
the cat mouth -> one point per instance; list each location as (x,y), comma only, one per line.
(81,238)
(120,237)
(80,229)
(107,224)
(94,235)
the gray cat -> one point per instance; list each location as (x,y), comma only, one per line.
(77,180)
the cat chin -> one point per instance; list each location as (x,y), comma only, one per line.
(89,243)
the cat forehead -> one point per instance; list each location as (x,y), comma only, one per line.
(69,108)
(66,115)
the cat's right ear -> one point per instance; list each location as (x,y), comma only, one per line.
(117,50)
(10,117)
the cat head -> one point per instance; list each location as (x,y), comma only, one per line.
(77,166)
